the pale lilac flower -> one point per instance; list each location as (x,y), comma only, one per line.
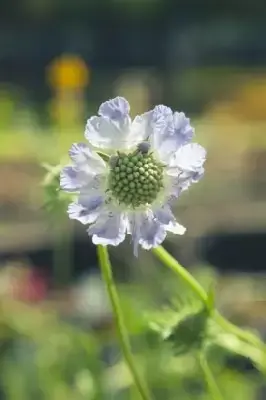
(150,161)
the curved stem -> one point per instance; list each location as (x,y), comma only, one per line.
(177,268)
(244,335)
(209,378)
(107,275)
(174,265)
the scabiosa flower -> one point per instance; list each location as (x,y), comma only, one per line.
(130,172)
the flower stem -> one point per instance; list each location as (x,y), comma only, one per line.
(107,275)
(209,378)
(174,265)
(177,268)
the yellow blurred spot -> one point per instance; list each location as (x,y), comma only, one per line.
(250,100)
(68,72)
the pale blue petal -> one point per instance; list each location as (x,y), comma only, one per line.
(162,113)
(170,131)
(177,186)
(87,209)
(165,216)
(116,109)
(182,128)
(182,182)
(162,137)
(188,158)
(161,119)
(165,146)
(88,169)
(109,229)
(146,231)
(87,159)
(198,175)
(150,125)
(186,178)
(73,179)
(69,179)
(144,126)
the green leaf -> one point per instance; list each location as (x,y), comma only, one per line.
(190,333)
(235,345)
(186,327)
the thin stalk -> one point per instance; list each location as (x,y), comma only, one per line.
(107,275)
(209,378)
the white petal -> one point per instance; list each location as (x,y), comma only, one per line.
(140,129)
(87,159)
(111,129)
(145,230)
(190,158)
(105,133)
(116,109)
(87,209)
(165,216)
(101,133)
(109,229)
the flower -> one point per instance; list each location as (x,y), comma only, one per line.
(130,172)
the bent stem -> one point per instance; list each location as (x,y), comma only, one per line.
(209,378)
(174,265)
(107,275)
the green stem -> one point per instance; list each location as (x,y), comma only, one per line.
(107,274)
(209,378)
(174,265)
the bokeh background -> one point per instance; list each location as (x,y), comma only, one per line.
(58,61)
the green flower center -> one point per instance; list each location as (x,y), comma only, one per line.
(135,179)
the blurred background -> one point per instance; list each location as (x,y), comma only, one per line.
(58,61)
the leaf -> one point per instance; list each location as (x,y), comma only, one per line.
(190,332)
(186,327)
(235,345)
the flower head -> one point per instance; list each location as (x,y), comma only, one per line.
(147,163)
